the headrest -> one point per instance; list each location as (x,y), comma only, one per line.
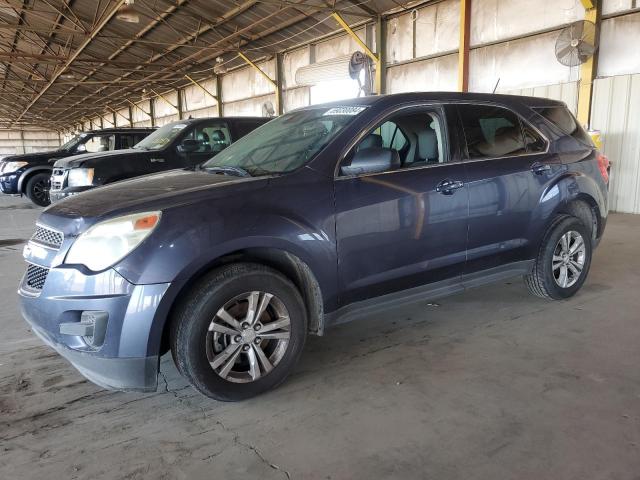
(371,140)
(507,140)
(202,136)
(427,144)
(218,136)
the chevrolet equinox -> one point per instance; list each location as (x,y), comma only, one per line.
(322,215)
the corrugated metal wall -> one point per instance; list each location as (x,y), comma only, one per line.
(14,142)
(565,92)
(616,113)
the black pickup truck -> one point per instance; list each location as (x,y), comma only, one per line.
(28,174)
(181,144)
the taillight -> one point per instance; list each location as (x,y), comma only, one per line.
(603,165)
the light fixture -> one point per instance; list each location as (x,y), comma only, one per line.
(67,76)
(127,13)
(219,67)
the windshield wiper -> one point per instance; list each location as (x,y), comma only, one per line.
(228,170)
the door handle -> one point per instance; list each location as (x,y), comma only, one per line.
(447,187)
(540,168)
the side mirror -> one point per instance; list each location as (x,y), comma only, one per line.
(189,146)
(372,160)
(81,148)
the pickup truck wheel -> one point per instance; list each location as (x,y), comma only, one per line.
(239,332)
(563,260)
(37,189)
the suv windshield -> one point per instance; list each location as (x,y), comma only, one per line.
(73,142)
(285,143)
(161,137)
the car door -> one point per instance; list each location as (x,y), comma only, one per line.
(407,226)
(507,169)
(209,137)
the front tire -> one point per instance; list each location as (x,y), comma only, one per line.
(239,332)
(563,260)
(37,189)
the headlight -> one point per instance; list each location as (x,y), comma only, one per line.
(9,167)
(80,177)
(108,242)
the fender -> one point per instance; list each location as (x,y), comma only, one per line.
(567,187)
(204,263)
(29,171)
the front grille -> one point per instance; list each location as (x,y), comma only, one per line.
(58,179)
(36,276)
(48,237)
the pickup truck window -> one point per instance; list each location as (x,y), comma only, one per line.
(491,131)
(285,143)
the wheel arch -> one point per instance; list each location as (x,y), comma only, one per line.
(288,264)
(30,172)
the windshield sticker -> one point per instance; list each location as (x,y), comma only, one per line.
(343,111)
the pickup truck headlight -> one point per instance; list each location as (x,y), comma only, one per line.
(108,242)
(80,177)
(9,167)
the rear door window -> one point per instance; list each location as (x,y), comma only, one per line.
(491,132)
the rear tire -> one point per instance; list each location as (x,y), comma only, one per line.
(563,260)
(37,189)
(225,352)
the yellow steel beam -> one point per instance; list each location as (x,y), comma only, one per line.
(139,108)
(463,49)
(365,48)
(197,84)
(587,72)
(258,69)
(118,113)
(165,99)
(275,84)
(588,4)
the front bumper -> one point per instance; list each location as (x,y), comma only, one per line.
(128,358)
(9,183)
(57,195)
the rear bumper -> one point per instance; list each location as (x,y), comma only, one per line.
(128,357)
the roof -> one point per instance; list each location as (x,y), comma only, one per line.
(409,97)
(64,61)
(121,130)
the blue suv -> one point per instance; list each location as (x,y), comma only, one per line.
(323,215)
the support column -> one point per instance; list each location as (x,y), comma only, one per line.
(152,111)
(219,95)
(589,68)
(463,49)
(381,49)
(279,82)
(180,104)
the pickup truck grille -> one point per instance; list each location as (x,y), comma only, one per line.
(47,237)
(35,277)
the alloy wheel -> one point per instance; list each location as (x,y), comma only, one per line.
(248,337)
(568,259)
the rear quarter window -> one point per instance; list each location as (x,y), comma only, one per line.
(564,121)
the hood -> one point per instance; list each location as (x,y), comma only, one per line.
(93,159)
(39,158)
(153,192)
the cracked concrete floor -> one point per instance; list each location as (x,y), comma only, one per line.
(492,384)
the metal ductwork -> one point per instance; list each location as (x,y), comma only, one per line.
(339,68)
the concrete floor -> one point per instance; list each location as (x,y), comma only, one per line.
(492,384)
